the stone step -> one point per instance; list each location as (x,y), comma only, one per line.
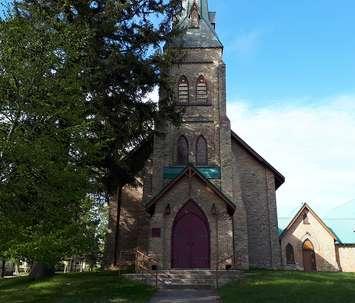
(187,278)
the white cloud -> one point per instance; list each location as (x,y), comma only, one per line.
(246,42)
(313,145)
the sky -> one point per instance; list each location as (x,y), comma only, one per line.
(291,92)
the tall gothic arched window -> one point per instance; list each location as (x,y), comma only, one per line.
(201,151)
(183,90)
(290,254)
(201,90)
(182,157)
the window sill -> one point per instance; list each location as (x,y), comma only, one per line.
(193,104)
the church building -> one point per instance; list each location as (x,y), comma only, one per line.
(207,199)
(310,243)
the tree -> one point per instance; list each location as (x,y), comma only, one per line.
(43,180)
(74,76)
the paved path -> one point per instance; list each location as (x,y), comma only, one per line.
(185,296)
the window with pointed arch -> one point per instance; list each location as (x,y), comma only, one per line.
(201,90)
(182,157)
(183,90)
(201,151)
(290,254)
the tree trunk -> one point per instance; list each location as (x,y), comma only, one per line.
(116,250)
(41,270)
(3,264)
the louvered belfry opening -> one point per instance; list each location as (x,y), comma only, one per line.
(183,90)
(201,90)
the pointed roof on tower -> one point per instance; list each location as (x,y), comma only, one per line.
(204,9)
(198,26)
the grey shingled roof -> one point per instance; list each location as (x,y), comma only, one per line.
(203,37)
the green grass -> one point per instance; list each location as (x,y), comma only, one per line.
(291,287)
(99,287)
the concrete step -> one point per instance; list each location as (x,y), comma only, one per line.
(187,278)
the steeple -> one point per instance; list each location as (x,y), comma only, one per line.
(204,9)
(198,25)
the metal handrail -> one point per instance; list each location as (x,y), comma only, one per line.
(140,264)
(224,260)
(152,259)
(217,276)
(126,258)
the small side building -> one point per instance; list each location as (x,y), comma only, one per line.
(308,243)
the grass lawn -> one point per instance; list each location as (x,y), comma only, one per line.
(99,287)
(291,287)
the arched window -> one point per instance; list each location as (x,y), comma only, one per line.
(182,157)
(201,90)
(201,151)
(183,90)
(290,254)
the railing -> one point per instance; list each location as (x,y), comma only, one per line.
(234,263)
(144,264)
(126,259)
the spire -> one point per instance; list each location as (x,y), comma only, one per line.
(204,9)
(199,26)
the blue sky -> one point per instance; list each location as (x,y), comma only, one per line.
(284,49)
(291,92)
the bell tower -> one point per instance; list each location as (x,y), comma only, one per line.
(204,138)
(194,162)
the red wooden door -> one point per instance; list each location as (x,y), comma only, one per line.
(190,239)
(309,257)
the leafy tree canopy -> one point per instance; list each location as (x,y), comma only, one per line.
(74,76)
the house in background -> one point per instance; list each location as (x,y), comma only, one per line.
(310,243)
(12,268)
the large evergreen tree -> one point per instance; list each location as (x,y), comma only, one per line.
(74,76)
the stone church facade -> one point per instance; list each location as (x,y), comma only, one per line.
(309,244)
(206,198)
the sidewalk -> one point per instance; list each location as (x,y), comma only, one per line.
(185,296)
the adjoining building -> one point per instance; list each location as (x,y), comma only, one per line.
(311,244)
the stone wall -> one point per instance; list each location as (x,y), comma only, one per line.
(133,224)
(346,255)
(220,226)
(198,119)
(258,195)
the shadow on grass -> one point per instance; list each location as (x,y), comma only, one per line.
(291,287)
(74,288)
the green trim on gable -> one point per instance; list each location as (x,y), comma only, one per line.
(209,172)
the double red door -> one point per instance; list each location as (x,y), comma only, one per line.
(190,239)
